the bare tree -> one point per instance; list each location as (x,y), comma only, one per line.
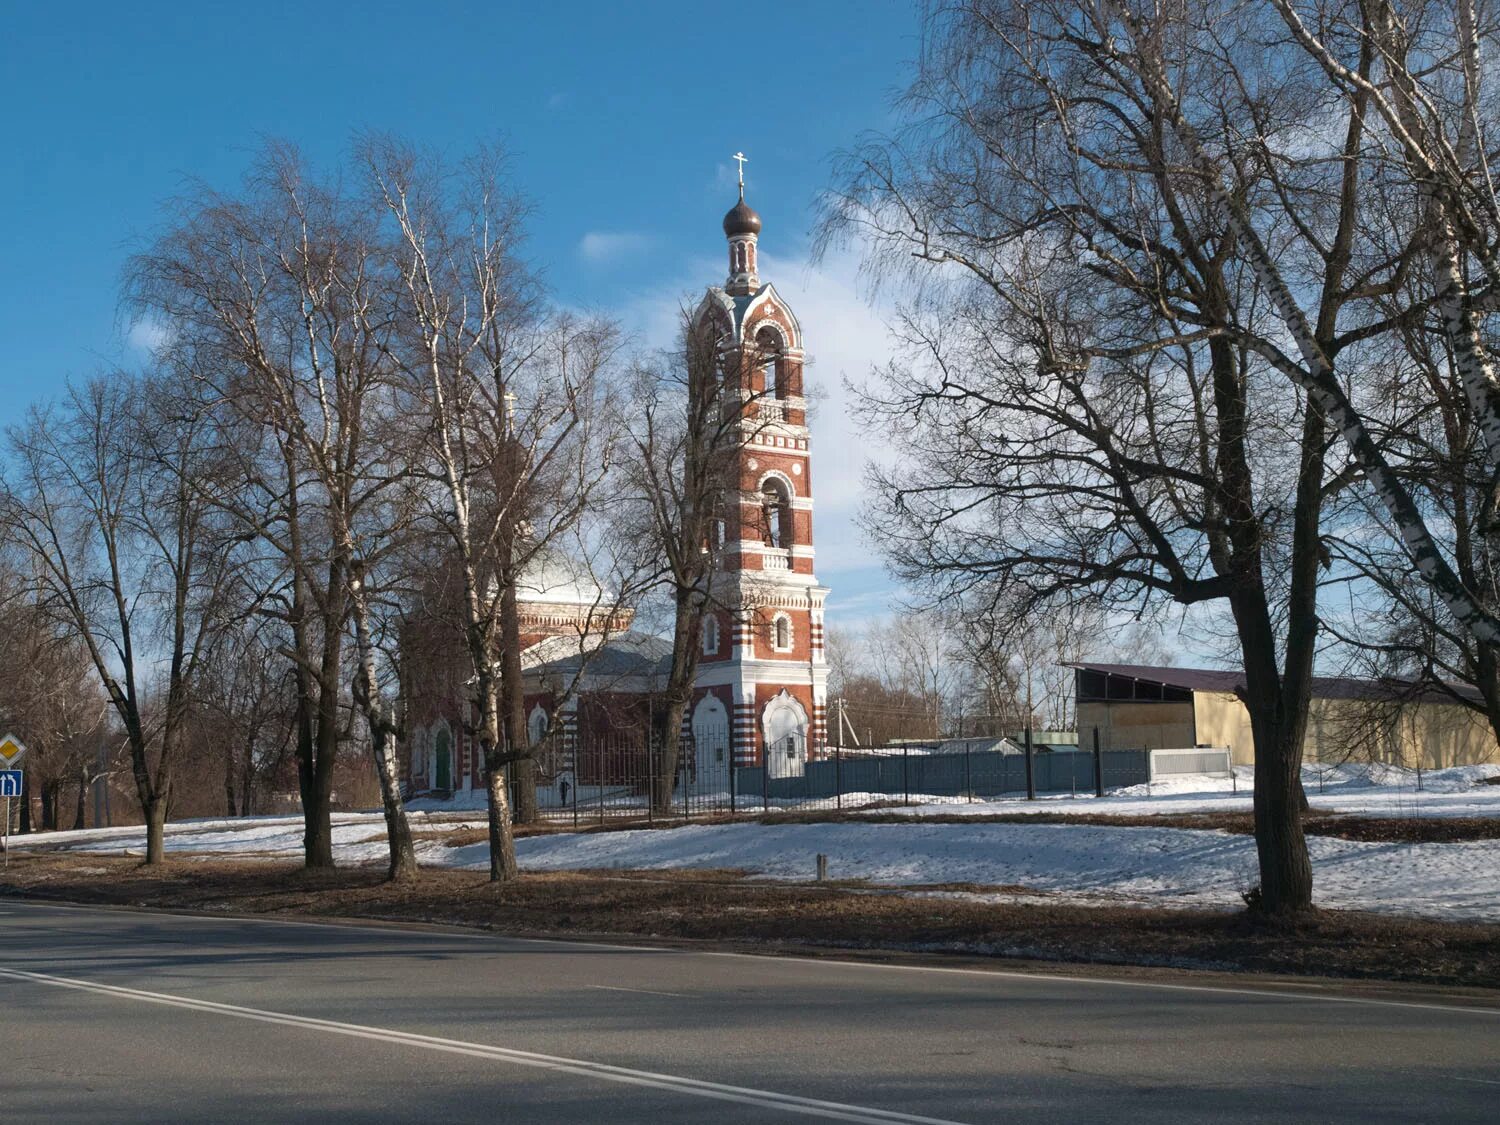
(247,693)
(693,411)
(100,502)
(1016,665)
(280,304)
(50,697)
(511,400)
(1409,86)
(1102,211)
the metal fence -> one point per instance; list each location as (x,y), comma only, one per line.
(620,781)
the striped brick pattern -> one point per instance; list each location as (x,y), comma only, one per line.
(745,751)
(744,631)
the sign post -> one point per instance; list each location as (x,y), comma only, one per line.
(12,750)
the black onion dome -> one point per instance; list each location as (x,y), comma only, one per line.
(741,220)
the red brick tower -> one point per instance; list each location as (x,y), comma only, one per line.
(761,688)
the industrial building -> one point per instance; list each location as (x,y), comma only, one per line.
(1137,706)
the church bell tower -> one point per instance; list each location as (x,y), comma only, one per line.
(762,674)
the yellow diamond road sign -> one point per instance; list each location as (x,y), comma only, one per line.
(11,750)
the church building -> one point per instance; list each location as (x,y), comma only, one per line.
(760,693)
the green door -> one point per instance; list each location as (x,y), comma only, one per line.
(443,757)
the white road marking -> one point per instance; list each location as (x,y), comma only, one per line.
(1293,991)
(764,1099)
(642,991)
(1481,1081)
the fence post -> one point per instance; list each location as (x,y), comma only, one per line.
(729,757)
(687,812)
(1030,774)
(905,774)
(1098,766)
(968,774)
(765,779)
(838,775)
(651,783)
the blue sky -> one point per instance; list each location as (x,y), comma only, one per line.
(620,120)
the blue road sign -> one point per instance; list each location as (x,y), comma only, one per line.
(10,783)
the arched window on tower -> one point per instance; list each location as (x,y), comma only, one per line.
(781,633)
(773,360)
(776,514)
(710,635)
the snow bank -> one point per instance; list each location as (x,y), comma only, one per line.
(1160,866)
(1090,863)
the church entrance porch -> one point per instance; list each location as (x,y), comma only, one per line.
(784,724)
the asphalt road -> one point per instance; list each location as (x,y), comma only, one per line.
(119,1016)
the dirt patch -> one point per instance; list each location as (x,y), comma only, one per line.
(723,906)
(1375,829)
(1409,830)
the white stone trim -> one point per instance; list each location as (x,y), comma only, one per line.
(777,474)
(791,636)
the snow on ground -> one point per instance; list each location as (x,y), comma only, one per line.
(1356,790)
(1086,863)
(357,836)
(1158,866)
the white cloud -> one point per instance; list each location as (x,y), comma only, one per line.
(148,335)
(605,246)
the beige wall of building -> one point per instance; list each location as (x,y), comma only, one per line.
(1222,720)
(1443,734)
(1132,726)
(1432,734)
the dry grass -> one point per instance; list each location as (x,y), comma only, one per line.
(721,906)
(1376,829)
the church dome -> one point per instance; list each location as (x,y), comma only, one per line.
(741,220)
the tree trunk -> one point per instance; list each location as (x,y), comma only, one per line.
(686,625)
(49,806)
(1277,724)
(503,867)
(247,783)
(317,779)
(403,856)
(229,770)
(383,730)
(80,810)
(317,829)
(513,704)
(317,836)
(25,825)
(156,831)
(1285,871)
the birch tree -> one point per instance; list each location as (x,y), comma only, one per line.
(510,397)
